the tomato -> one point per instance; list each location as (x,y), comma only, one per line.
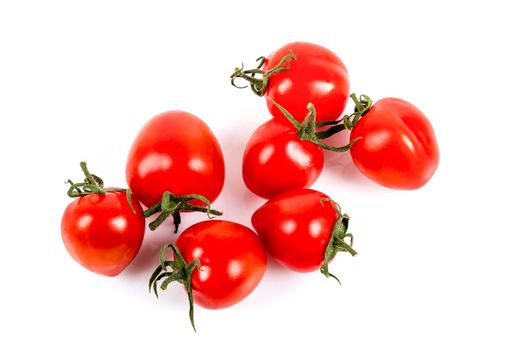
(276,160)
(317,75)
(301,229)
(232,262)
(102,233)
(398,148)
(176,152)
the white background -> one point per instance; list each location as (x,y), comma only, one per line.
(439,268)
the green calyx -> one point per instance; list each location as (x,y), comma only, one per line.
(177,270)
(93,184)
(172,205)
(362,106)
(306,130)
(257,78)
(337,241)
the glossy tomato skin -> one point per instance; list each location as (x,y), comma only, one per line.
(102,233)
(296,227)
(175,151)
(317,75)
(398,148)
(276,160)
(232,260)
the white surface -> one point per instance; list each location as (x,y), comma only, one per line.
(439,268)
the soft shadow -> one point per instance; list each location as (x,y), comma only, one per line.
(340,164)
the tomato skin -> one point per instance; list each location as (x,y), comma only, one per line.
(276,160)
(398,148)
(296,227)
(177,152)
(101,232)
(317,75)
(232,260)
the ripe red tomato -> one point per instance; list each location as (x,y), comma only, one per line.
(317,75)
(276,160)
(232,261)
(176,152)
(297,228)
(398,148)
(102,233)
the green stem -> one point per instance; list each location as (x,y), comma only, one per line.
(259,84)
(337,241)
(306,130)
(177,270)
(93,184)
(172,205)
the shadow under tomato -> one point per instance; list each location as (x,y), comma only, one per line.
(341,165)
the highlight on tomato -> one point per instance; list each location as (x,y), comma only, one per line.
(282,156)
(103,228)
(303,230)
(296,74)
(175,164)
(218,262)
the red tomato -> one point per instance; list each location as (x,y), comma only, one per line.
(317,75)
(398,148)
(232,261)
(176,152)
(102,233)
(296,228)
(276,160)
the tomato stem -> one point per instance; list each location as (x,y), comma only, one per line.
(362,106)
(172,205)
(177,270)
(93,184)
(337,241)
(306,130)
(259,84)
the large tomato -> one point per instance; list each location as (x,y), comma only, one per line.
(102,233)
(176,152)
(276,160)
(397,147)
(231,260)
(302,229)
(316,75)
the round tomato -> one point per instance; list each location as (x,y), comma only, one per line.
(302,229)
(232,261)
(316,76)
(175,152)
(397,147)
(219,262)
(102,233)
(276,160)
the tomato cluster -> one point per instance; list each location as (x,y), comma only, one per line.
(176,165)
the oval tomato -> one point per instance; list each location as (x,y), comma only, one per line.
(176,152)
(102,233)
(398,148)
(299,227)
(316,76)
(276,160)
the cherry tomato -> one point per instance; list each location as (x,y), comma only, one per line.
(176,152)
(398,148)
(232,261)
(317,75)
(102,233)
(297,228)
(276,160)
